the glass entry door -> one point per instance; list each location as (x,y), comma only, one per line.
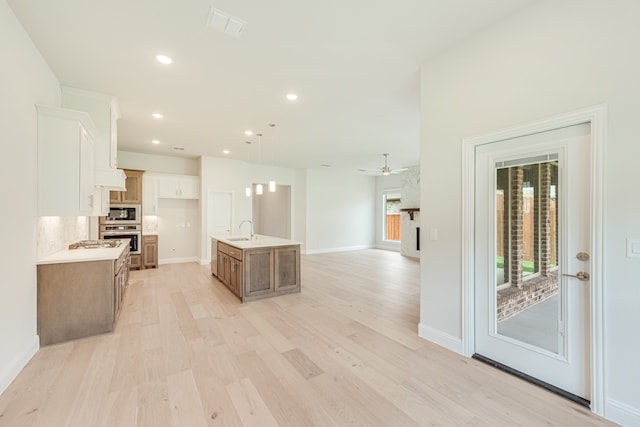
(532,238)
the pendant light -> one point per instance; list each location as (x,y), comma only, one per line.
(259,189)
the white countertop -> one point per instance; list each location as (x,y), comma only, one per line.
(82,255)
(259,241)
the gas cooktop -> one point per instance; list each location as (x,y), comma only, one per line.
(94,244)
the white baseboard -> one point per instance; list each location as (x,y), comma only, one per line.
(179,260)
(621,413)
(442,339)
(384,247)
(205,261)
(330,250)
(10,372)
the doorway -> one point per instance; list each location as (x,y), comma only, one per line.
(553,169)
(531,215)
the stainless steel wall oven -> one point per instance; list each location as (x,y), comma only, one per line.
(125,231)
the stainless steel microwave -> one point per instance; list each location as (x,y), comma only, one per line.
(123,214)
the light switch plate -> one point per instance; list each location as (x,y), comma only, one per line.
(633,248)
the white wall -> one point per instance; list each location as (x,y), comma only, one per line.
(178,230)
(299,207)
(26,80)
(552,58)
(340,211)
(178,221)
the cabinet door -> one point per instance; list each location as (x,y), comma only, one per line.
(149,194)
(287,267)
(168,187)
(235,278)
(149,251)
(258,272)
(133,195)
(189,187)
(86,179)
(115,197)
(223,265)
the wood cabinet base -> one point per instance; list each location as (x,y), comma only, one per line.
(253,274)
(75,300)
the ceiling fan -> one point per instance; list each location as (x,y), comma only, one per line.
(386,170)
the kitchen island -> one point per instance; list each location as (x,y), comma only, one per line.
(258,267)
(80,290)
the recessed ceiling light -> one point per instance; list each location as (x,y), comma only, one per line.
(292,96)
(226,151)
(157,116)
(248,132)
(164,59)
(325,166)
(178,148)
(155,141)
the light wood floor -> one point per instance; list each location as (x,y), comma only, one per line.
(345,351)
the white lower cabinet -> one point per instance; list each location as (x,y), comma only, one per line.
(66,159)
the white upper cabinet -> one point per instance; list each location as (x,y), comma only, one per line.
(149,194)
(178,186)
(103,109)
(65,162)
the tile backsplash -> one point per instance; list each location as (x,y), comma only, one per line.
(56,233)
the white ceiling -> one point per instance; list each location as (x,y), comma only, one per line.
(353,63)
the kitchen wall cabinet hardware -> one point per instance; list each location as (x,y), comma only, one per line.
(65,162)
(178,186)
(133,194)
(80,299)
(104,112)
(149,194)
(150,251)
(258,273)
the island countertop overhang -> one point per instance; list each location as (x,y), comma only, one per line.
(260,241)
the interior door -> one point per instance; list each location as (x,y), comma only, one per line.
(531,256)
(219,215)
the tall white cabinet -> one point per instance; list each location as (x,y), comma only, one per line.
(65,162)
(103,109)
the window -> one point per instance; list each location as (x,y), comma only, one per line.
(392,223)
(526,222)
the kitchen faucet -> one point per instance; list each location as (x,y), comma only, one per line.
(251,223)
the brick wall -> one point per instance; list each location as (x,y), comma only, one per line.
(513,300)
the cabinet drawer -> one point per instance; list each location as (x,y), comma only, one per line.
(230,250)
(235,252)
(223,248)
(149,239)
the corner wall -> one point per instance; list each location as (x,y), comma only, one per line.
(551,58)
(26,81)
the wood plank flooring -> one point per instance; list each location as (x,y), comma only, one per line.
(343,352)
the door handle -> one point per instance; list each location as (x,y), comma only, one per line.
(580,275)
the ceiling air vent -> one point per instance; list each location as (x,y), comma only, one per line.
(225,23)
